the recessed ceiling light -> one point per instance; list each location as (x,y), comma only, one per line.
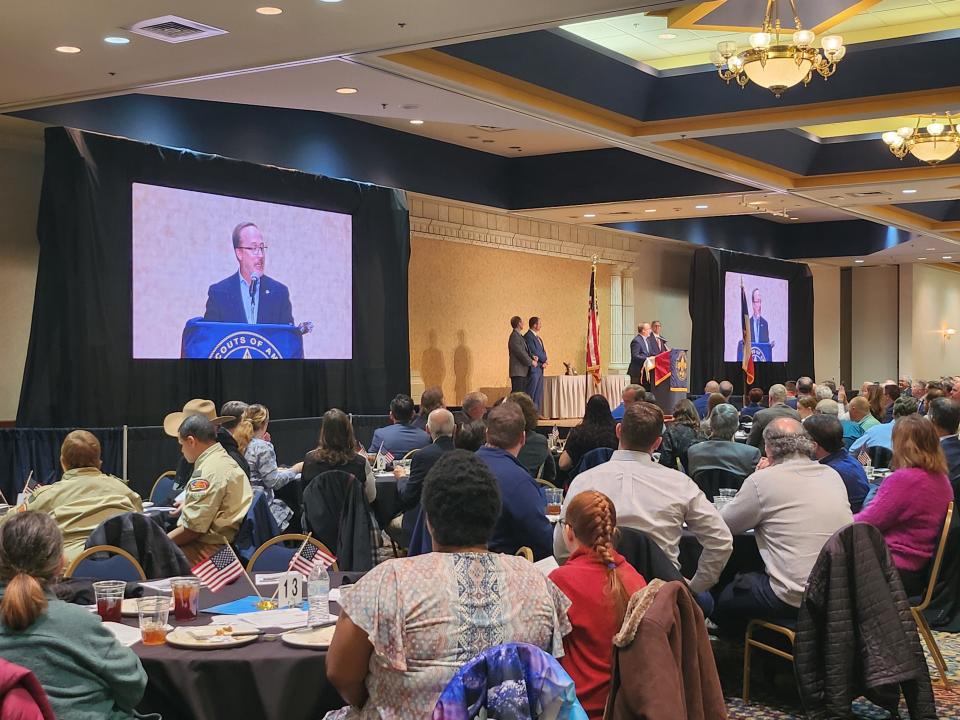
(757,202)
(488,141)
(908,192)
(650,210)
(330,1)
(589,214)
(667,36)
(921,258)
(858,261)
(68,49)
(268,10)
(347,91)
(929,249)
(412,122)
(116,40)
(701,207)
(946,257)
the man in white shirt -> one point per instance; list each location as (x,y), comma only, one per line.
(654,499)
(794,504)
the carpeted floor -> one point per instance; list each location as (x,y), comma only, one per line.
(773,691)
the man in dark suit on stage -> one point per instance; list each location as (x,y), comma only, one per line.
(249,296)
(659,340)
(536,349)
(759,332)
(520,361)
(644,345)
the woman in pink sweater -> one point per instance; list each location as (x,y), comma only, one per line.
(911,505)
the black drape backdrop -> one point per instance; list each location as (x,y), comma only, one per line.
(79,370)
(706,311)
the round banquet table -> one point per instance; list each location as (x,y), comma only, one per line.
(565,396)
(266,679)
(386,506)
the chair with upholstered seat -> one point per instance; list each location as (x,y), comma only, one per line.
(276,553)
(162,491)
(121,565)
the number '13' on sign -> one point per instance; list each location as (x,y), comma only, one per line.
(290,590)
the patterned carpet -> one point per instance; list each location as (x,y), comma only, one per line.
(773,693)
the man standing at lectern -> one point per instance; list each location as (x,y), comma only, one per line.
(660,341)
(644,345)
(249,296)
(536,349)
(759,332)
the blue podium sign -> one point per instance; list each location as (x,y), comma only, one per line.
(240,341)
(762,352)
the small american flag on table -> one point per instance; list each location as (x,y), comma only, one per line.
(219,570)
(388,457)
(864,458)
(309,557)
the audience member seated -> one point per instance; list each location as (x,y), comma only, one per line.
(945,416)
(806,406)
(777,408)
(794,504)
(171,424)
(337,450)
(891,394)
(933,393)
(680,435)
(471,436)
(597,429)
(828,407)
(400,437)
(880,435)
(86,673)
(824,392)
(859,418)
(910,507)
(85,496)
(755,397)
(217,497)
(827,435)
(875,398)
(791,400)
(630,395)
(654,499)
(726,389)
(700,403)
(805,389)
(714,400)
(262,459)
(534,455)
(599,582)
(721,452)
(431,399)
(410,623)
(473,408)
(951,388)
(440,426)
(523,517)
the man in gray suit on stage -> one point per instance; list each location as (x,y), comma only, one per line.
(519,359)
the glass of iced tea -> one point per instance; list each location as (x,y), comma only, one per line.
(554,500)
(153,613)
(186,597)
(109,594)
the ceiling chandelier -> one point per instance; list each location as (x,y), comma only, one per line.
(937,141)
(777,64)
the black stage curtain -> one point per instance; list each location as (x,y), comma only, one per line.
(706,311)
(79,370)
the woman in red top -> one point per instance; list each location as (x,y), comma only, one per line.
(599,582)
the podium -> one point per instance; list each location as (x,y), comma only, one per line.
(762,352)
(240,341)
(671,378)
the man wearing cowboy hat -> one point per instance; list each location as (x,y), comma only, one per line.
(218,495)
(197,406)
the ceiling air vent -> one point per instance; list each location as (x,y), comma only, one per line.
(173,29)
(869,193)
(492,128)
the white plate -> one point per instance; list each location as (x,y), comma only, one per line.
(315,639)
(205,638)
(130,608)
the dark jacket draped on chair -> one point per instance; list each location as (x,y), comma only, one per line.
(336,511)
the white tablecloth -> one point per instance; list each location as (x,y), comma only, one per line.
(565,396)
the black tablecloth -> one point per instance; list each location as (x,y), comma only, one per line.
(745,556)
(266,679)
(386,506)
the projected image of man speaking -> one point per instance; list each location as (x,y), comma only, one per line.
(249,296)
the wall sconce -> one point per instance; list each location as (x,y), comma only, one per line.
(949,333)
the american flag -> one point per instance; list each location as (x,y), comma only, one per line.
(593,330)
(31,485)
(864,458)
(388,457)
(219,570)
(309,557)
(747,359)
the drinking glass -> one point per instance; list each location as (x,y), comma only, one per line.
(728,492)
(186,597)
(153,613)
(554,500)
(109,595)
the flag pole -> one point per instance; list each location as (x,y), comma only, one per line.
(27,483)
(292,558)
(245,574)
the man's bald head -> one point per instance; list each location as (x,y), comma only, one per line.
(440,423)
(712,386)
(785,439)
(726,388)
(859,408)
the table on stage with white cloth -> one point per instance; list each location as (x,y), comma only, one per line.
(565,396)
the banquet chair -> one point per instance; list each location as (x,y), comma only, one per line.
(545,483)
(275,556)
(917,610)
(410,454)
(526,553)
(121,566)
(162,491)
(713,479)
(590,459)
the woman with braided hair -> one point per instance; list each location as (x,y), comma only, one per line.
(599,582)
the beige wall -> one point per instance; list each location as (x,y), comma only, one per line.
(21,171)
(875,326)
(661,286)
(930,303)
(826,322)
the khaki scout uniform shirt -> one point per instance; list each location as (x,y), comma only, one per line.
(217,499)
(83,499)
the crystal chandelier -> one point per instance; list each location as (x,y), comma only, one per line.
(937,141)
(774,63)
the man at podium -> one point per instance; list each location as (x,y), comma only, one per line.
(249,296)
(759,332)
